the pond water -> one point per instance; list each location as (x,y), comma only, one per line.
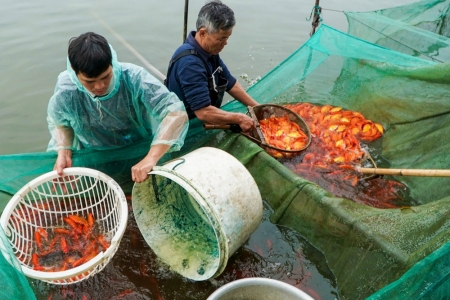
(34,37)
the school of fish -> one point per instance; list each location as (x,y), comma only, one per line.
(284,134)
(335,153)
(61,248)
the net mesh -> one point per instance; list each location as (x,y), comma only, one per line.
(389,69)
(14,284)
(419,29)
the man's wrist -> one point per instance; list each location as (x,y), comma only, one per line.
(62,150)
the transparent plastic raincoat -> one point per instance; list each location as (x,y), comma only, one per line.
(137,106)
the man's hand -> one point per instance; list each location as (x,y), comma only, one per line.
(139,172)
(64,160)
(64,138)
(246,123)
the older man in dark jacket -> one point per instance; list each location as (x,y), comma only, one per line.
(200,78)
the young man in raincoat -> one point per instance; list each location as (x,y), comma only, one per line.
(198,75)
(100,103)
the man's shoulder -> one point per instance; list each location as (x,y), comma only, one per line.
(185,53)
(186,56)
(132,72)
(136,77)
(185,46)
(65,91)
(129,68)
(64,83)
(64,77)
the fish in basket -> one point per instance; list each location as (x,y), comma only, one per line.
(66,229)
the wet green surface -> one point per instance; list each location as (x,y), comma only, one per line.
(177,228)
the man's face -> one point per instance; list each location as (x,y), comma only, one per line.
(97,85)
(213,43)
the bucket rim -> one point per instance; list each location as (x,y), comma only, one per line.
(257,281)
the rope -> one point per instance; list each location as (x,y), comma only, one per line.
(333,10)
(315,11)
(99,108)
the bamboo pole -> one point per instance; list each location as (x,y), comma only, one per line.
(405,172)
(213,126)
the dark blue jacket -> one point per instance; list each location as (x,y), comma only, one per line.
(188,77)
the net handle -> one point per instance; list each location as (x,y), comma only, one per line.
(405,172)
(258,127)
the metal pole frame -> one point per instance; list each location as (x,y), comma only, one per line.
(186,8)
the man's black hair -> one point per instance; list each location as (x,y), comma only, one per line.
(89,54)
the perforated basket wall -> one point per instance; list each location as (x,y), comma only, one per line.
(46,200)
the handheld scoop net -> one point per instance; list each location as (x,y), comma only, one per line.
(279,131)
(66,229)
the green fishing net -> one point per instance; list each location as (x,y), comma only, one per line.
(418,29)
(389,68)
(13,284)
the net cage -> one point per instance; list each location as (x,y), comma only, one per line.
(48,203)
(289,130)
(418,29)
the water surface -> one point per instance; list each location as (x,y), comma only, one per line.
(34,37)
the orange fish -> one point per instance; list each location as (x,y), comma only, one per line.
(91,219)
(103,242)
(64,246)
(42,232)
(72,224)
(37,239)
(78,262)
(61,231)
(79,220)
(36,265)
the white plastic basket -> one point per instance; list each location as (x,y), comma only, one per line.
(44,201)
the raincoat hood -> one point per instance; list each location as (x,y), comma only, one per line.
(114,84)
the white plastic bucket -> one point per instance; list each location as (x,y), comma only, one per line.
(258,289)
(196,211)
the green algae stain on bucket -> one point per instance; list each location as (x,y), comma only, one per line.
(181,232)
(195,212)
